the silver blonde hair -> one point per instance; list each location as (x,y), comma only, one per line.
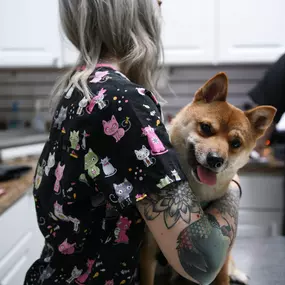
(128,30)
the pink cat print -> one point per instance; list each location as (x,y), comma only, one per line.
(58,174)
(100,76)
(66,248)
(98,99)
(141,91)
(82,278)
(109,282)
(157,147)
(111,128)
(121,230)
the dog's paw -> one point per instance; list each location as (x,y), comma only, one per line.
(240,277)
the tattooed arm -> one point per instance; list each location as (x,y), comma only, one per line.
(194,242)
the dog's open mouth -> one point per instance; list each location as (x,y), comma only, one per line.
(200,173)
(204,175)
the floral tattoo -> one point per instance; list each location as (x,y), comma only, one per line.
(174,203)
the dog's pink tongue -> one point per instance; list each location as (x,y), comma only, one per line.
(206,176)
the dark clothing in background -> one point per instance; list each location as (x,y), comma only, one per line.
(270,90)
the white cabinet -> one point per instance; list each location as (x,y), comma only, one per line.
(188,31)
(194,32)
(250,31)
(29,33)
(21,241)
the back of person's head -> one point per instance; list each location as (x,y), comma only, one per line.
(128,30)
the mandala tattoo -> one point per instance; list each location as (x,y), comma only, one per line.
(174,203)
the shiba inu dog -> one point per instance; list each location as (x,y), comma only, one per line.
(213,140)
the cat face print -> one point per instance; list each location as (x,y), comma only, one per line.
(124,189)
(111,127)
(143,153)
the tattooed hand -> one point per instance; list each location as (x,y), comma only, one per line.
(202,244)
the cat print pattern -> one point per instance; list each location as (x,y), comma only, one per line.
(58,174)
(112,128)
(123,191)
(50,163)
(157,147)
(143,154)
(108,168)
(60,118)
(59,215)
(104,154)
(91,159)
(97,100)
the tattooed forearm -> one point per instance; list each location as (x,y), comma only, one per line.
(204,242)
(174,204)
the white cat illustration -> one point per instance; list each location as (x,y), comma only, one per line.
(123,191)
(50,163)
(61,116)
(74,274)
(108,168)
(175,174)
(46,274)
(58,214)
(81,105)
(143,154)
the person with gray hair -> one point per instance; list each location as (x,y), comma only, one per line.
(113,168)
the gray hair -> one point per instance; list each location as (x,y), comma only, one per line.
(128,30)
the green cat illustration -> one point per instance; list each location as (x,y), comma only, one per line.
(74,139)
(83,178)
(39,175)
(163,182)
(91,160)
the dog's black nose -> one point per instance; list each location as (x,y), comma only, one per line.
(214,160)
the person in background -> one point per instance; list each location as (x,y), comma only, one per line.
(270,90)
(105,170)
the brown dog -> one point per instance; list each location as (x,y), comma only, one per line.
(214,140)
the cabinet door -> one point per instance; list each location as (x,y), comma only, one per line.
(188,31)
(21,242)
(251,31)
(29,33)
(16,263)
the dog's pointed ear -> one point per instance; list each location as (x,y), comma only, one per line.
(215,89)
(261,118)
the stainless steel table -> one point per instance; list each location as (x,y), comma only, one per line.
(263,259)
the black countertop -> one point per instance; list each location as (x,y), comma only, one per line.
(21,137)
(262,259)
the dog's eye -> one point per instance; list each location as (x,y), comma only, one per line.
(236,143)
(206,129)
